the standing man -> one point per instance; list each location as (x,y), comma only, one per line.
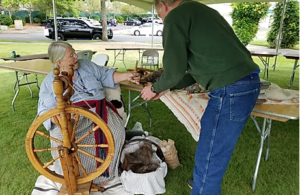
(200,46)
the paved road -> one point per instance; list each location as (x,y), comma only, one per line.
(121,34)
(40,37)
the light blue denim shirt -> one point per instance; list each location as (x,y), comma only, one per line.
(93,77)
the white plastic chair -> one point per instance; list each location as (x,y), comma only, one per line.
(101,59)
(85,54)
(150,58)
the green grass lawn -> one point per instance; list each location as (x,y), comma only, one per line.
(265,43)
(277,176)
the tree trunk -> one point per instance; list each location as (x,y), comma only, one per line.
(30,20)
(104,21)
(30,10)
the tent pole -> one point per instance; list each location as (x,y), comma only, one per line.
(279,37)
(152,25)
(54,19)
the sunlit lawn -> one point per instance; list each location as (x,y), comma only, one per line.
(278,176)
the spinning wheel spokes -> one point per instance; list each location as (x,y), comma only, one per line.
(36,156)
(50,163)
(87,134)
(48,136)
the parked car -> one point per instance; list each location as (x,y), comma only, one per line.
(132,22)
(156,20)
(143,20)
(146,29)
(74,28)
(93,22)
(110,22)
(83,18)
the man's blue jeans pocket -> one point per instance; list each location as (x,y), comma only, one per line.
(240,108)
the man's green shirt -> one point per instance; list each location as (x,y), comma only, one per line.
(200,46)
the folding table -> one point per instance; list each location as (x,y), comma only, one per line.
(19,78)
(120,51)
(37,67)
(265,59)
(135,87)
(269,112)
(293,56)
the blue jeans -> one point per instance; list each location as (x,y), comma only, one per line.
(221,125)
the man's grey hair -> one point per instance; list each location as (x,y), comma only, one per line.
(56,51)
(168,2)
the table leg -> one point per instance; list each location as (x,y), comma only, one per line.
(275,61)
(26,78)
(122,52)
(115,58)
(18,85)
(148,111)
(264,135)
(266,64)
(17,92)
(130,107)
(37,82)
(140,55)
(293,73)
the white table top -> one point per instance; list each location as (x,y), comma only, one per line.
(38,66)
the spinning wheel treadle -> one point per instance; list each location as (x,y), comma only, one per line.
(67,117)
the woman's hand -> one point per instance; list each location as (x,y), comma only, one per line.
(133,77)
(128,76)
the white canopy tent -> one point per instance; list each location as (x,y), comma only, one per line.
(148,5)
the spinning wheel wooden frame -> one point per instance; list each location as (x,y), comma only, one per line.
(66,116)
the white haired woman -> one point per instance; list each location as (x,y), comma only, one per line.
(88,82)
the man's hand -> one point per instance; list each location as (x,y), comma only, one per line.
(158,95)
(147,94)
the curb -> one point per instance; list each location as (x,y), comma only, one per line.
(12,32)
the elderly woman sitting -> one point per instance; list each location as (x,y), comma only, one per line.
(88,82)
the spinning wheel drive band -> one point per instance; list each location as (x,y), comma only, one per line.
(42,167)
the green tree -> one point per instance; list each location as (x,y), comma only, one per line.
(10,6)
(87,6)
(62,6)
(290,30)
(28,4)
(246,17)
(132,10)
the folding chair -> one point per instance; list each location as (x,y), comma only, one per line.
(150,58)
(85,54)
(101,59)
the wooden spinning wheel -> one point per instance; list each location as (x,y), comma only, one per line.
(75,177)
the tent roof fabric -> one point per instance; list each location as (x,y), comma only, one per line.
(147,4)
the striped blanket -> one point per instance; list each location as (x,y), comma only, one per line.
(189,108)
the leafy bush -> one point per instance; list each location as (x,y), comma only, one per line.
(290,30)
(246,17)
(23,21)
(5,20)
(40,15)
(26,18)
(36,20)
(11,26)
(13,17)
(95,17)
(120,19)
